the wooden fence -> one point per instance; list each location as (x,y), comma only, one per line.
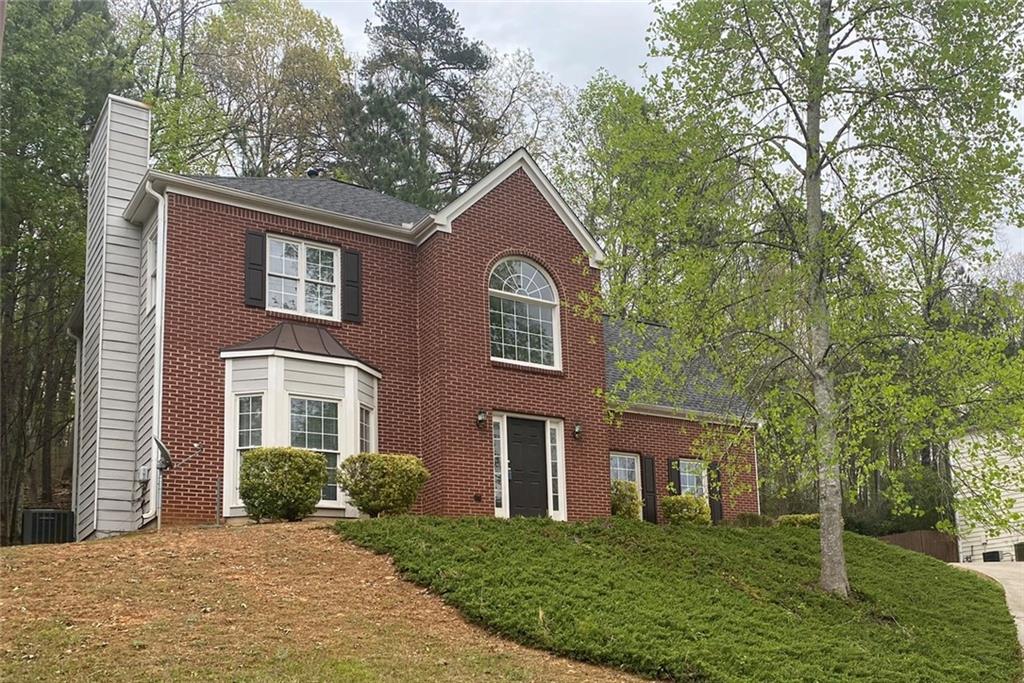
(930,542)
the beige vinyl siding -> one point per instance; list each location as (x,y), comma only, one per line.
(316,380)
(108,497)
(146,376)
(367,389)
(249,375)
(976,541)
(88,392)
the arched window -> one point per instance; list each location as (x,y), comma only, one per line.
(524,314)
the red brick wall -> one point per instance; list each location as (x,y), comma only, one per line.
(205,313)
(667,439)
(426,329)
(513,219)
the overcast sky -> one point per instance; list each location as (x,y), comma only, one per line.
(571,40)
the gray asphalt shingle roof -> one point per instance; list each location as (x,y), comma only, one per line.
(704,391)
(329,195)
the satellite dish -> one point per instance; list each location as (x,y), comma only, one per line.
(164,462)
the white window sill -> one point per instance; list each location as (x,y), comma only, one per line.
(525,365)
(299,314)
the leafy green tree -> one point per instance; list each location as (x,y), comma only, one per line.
(422,58)
(274,68)
(777,196)
(158,42)
(374,145)
(58,65)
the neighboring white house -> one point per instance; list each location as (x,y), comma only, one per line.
(976,541)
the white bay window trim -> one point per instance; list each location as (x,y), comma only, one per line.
(276,417)
(554,457)
(339,500)
(302,279)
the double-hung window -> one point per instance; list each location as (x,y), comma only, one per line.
(314,425)
(250,428)
(691,477)
(365,429)
(626,467)
(302,278)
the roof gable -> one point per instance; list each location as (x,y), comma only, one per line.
(521,159)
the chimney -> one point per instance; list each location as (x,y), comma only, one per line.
(108,400)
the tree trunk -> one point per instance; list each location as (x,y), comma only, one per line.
(830,496)
(46,459)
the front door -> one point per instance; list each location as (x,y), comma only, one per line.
(527,469)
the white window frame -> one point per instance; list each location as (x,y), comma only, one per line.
(550,424)
(236,449)
(372,426)
(704,474)
(632,456)
(635,457)
(556,315)
(339,502)
(276,427)
(301,278)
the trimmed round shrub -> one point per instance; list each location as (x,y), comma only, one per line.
(382,483)
(281,483)
(626,501)
(750,519)
(685,508)
(798,520)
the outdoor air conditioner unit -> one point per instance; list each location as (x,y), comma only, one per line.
(47,526)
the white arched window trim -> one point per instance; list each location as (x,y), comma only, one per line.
(553,305)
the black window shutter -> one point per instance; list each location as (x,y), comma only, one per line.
(715,492)
(673,475)
(649,489)
(255,258)
(352,287)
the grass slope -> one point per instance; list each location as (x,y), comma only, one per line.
(267,603)
(716,604)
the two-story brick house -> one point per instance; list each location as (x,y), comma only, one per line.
(224,313)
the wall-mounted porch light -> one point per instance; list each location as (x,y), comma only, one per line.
(577,431)
(481,418)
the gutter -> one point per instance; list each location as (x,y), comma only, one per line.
(413,234)
(691,415)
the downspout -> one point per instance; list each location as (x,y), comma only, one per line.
(155,489)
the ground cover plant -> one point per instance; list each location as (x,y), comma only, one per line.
(707,603)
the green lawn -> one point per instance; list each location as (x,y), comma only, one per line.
(716,604)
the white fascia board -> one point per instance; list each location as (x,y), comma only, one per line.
(279,353)
(521,159)
(137,210)
(691,415)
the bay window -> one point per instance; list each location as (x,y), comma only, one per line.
(314,426)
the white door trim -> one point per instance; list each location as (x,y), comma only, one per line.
(553,427)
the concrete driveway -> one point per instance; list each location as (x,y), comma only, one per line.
(1011,576)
